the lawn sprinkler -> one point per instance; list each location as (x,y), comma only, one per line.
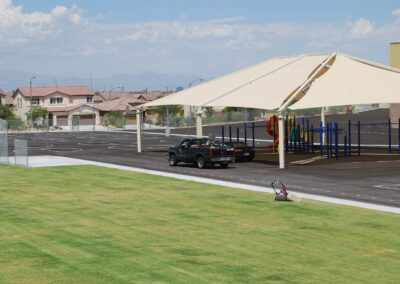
(280,191)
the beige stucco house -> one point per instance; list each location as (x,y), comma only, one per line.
(62,103)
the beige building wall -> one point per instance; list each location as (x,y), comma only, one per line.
(395,62)
(22,105)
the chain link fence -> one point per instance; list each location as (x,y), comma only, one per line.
(3,142)
(21,152)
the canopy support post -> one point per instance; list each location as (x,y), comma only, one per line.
(199,122)
(139,130)
(281,141)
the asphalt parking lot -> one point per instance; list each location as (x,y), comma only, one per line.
(371,178)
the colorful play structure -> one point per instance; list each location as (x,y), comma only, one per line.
(304,138)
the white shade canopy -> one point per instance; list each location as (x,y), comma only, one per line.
(265,85)
(351,81)
(307,81)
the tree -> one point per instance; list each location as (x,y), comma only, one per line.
(36,112)
(173,110)
(7,112)
(115,117)
(209,111)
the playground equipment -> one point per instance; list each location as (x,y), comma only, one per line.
(272,129)
(302,137)
(280,191)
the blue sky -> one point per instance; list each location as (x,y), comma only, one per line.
(255,11)
(205,38)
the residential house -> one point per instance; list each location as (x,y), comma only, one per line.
(126,105)
(62,103)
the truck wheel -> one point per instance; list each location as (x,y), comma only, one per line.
(172,160)
(224,165)
(200,162)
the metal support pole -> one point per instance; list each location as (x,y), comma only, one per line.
(237,134)
(139,130)
(290,134)
(281,142)
(230,133)
(331,138)
(286,135)
(308,137)
(323,123)
(312,139)
(294,132)
(304,137)
(349,152)
(321,138)
(390,136)
(336,142)
(327,141)
(223,133)
(398,136)
(167,129)
(345,146)
(273,136)
(359,138)
(253,134)
(245,132)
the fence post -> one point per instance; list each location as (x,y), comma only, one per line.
(237,134)
(286,135)
(223,133)
(252,134)
(245,132)
(290,134)
(312,138)
(308,137)
(304,137)
(359,138)
(230,133)
(390,136)
(331,138)
(327,140)
(336,141)
(321,139)
(349,137)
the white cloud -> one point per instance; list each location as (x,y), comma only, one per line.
(396,12)
(64,40)
(35,25)
(360,28)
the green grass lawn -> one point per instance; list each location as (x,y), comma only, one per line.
(92,224)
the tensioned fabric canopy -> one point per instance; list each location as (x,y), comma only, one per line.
(351,81)
(263,86)
(344,80)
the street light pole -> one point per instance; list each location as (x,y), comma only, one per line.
(109,97)
(189,108)
(30,90)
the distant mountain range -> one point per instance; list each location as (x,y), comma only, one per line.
(12,79)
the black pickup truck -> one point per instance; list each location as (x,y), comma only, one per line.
(201,152)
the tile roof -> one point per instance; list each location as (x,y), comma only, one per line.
(109,96)
(2,92)
(117,104)
(45,91)
(9,99)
